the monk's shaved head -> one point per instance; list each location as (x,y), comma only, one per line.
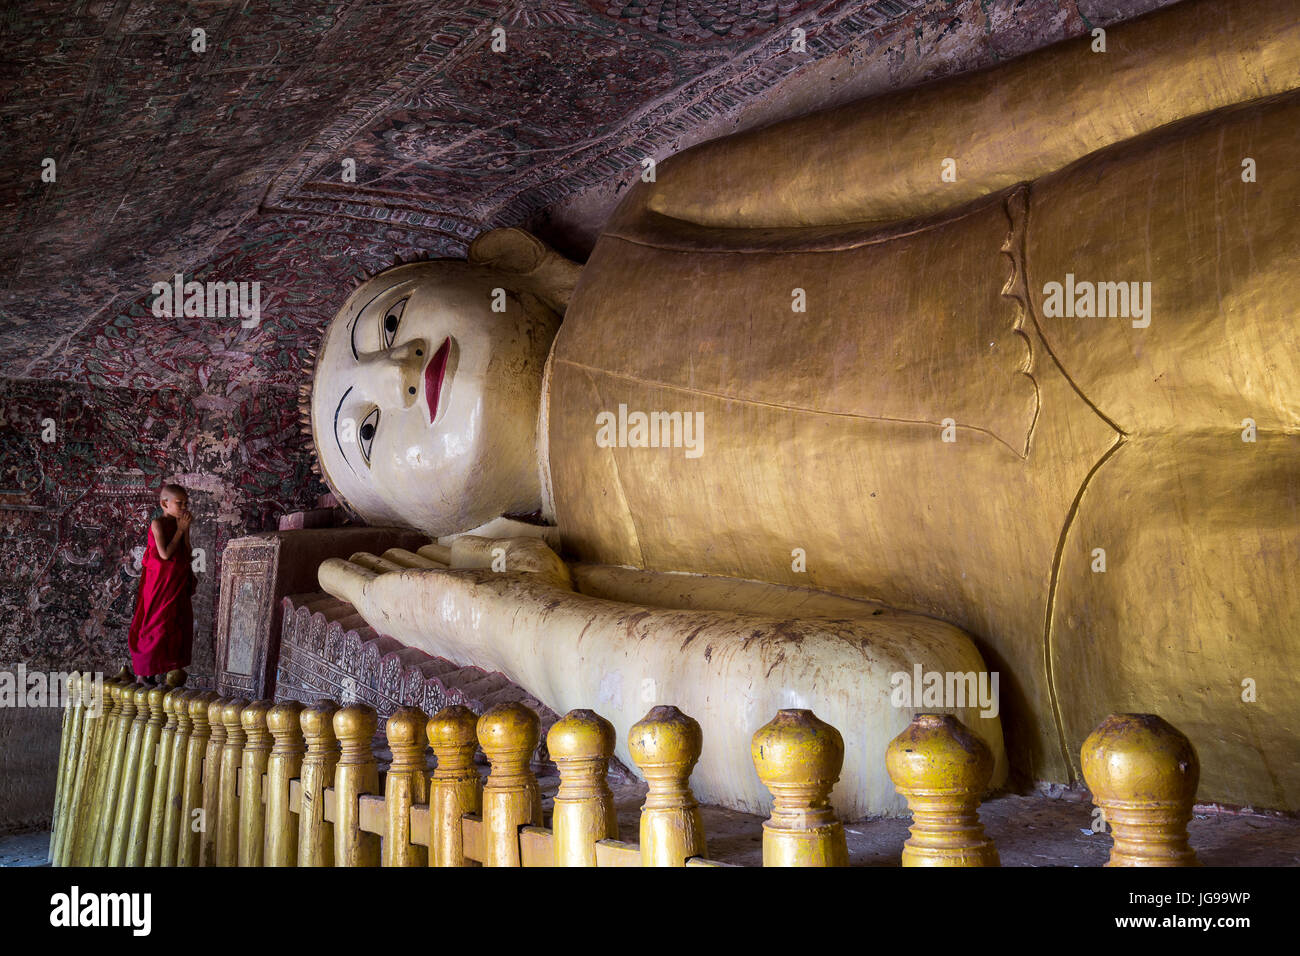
(172,491)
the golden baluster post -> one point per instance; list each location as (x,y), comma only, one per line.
(185,830)
(69,744)
(124,695)
(799,758)
(252,808)
(138,836)
(84,705)
(455,788)
(357,773)
(665,744)
(280,846)
(508,734)
(227,839)
(98,747)
(315,833)
(162,773)
(130,777)
(211,781)
(942,768)
(1143,775)
(581,745)
(405,784)
(174,821)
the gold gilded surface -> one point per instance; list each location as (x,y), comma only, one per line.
(252,798)
(126,802)
(878,160)
(928,301)
(356,773)
(68,743)
(184,837)
(798,758)
(315,832)
(78,779)
(282,765)
(454,789)
(817,438)
(226,815)
(405,784)
(123,716)
(146,776)
(1143,774)
(583,813)
(508,734)
(209,761)
(81,852)
(942,769)
(162,774)
(665,744)
(1197,615)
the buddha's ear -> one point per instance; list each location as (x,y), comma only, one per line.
(535,266)
(508,250)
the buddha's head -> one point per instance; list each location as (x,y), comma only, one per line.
(427,386)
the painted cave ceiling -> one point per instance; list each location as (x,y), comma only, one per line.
(228,163)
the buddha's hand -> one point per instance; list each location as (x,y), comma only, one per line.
(479,602)
(396,591)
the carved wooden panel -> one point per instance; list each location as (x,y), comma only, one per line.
(245,663)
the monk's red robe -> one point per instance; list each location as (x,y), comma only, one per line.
(162,630)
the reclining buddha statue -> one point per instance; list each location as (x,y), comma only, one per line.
(996,377)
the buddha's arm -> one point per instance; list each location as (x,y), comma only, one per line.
(731,671)
(881,159)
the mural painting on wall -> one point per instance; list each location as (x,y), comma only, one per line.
(74,509)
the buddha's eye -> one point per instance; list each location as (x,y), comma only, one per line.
(392,318)
(366,433)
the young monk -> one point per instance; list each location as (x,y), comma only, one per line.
(162,630)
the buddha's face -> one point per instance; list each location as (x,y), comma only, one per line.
(425,401)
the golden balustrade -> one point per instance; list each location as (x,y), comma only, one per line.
(159,777)
(315,826)
(226,839)
(454,789)
(355,775)
(665,744)
(583,813)
(176,821)
(187,819)
(941,768)
(511,798)
(405,785)
(138,839)
(163,758)
(69,744)
(139,700)
(252,771)
(799,758)
(283,765)
(123,694)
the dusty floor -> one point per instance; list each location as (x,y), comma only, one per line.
(1037,830)
(24,849)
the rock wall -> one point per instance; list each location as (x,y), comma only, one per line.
(79,474)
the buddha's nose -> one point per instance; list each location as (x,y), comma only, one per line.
(397,372)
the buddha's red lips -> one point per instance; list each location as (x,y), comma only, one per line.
(433,373)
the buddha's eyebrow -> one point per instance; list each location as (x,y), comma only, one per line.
(336,426)
(352,330)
